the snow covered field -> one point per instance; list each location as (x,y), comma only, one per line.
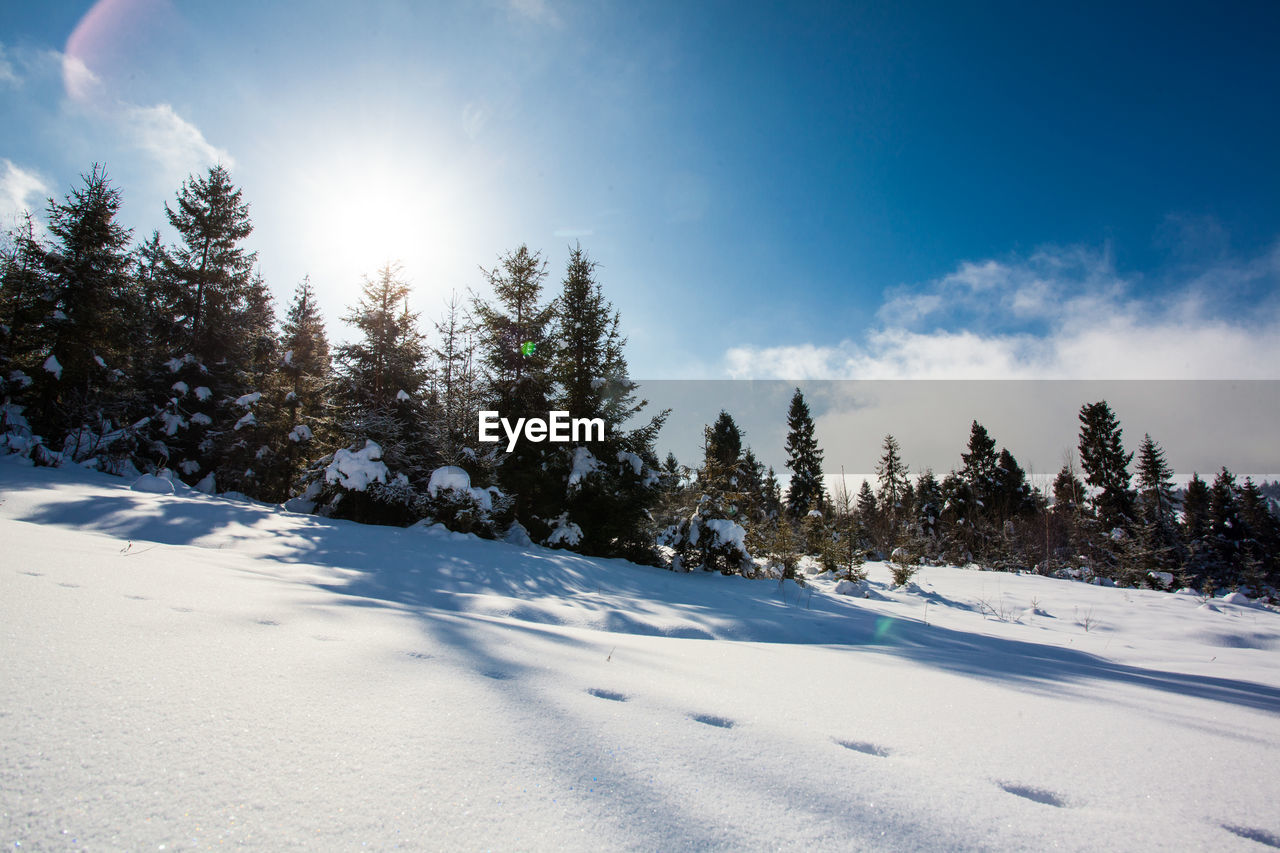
(183,671)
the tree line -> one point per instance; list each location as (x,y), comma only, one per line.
(171,359)
(1111,519)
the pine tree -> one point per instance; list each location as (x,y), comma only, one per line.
(976,504)
(90,324)
(1105,464)
(457,389)
(380,378)
(611,481)
(220,319)
(980,464)
(804,458)
(1156,531)
(24,304)
(1226,530)
(928,513)
(210,268)
(305,375)
(709,531)
(515,335)
(892,498)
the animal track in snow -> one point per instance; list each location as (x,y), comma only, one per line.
(712,720)
(865,748)
(1036,795)
(1259,835)
(611,695)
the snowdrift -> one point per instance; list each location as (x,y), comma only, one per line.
(188,671)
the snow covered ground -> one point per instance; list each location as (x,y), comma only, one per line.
(184,671)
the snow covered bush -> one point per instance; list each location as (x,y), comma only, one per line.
(709,540)
(451,500)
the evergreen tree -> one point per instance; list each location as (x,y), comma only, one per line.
(24,303)
(1105,464)
(612,481)
(1195,509)
(379,385)
(1156,532)
(892,498)
(457,390)
(90,324)
(1068,491)
(211,270)
(515,335)
(975,506)
(804,458)
(305,375)
(708,531)
(220,320)
(928,513)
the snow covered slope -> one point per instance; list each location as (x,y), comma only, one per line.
(189,671)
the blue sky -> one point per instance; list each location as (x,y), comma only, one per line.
(771,190)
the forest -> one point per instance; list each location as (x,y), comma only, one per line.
(138,357)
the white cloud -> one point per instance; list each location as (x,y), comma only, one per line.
(177,144)
(20,190)
(1087,327)
(79,80)
(8,75)
(535,10)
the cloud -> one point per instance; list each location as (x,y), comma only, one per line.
(8,75)
(20,191)
(177,144)
(79,80)
(1059,314)
(535,10)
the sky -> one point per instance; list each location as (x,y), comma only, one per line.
(794,191)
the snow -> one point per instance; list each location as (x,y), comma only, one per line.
(402,396)
(564,531)
(247,420)
(152,484)
(248,399)
(583,465)
(202,393)
(455,479)
(100,362)
(201,419)
(355,470)
(288,356)
(633,459)
(727,532)
(52,365)
(300,434)
(19,378)
(448,477)
(188,671)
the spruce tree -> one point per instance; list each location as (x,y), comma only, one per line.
(456,388)
(892,498)
(1105,464)
(611,480)
(305,375)
(89,328)
(219,320)
(379,385)
(515,336)
(804,458)
(210,268)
